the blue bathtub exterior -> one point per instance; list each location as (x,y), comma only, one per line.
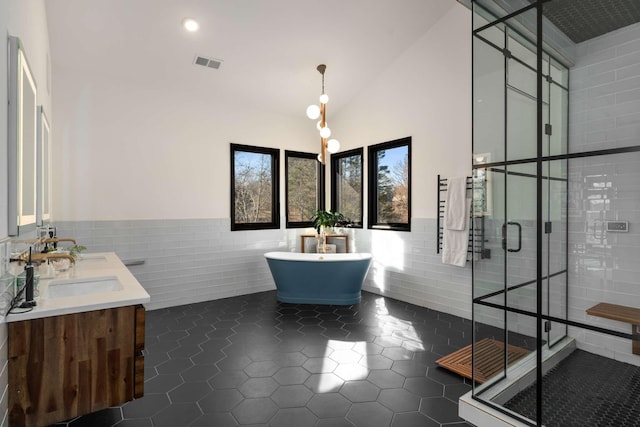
(319,282)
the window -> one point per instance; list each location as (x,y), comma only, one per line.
(390,185)
(254,187)
(346,185)
(304,188)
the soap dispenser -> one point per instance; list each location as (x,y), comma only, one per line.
(28,285)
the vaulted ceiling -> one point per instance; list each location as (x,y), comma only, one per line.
(270,49)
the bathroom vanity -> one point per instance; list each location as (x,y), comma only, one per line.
(80,349)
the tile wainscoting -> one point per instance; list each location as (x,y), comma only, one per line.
(187,261)
(5,292)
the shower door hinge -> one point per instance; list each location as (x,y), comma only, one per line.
(547,326)
(548,129)
(547,227)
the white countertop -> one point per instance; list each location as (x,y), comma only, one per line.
(92,265)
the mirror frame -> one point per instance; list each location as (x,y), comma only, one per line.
(43,169)
(18,69)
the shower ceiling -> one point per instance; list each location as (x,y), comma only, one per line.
(582,20)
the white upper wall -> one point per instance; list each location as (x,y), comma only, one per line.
(25,19)
(127,151)
(425,94)
(131,151)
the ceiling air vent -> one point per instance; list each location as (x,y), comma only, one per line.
(207,62)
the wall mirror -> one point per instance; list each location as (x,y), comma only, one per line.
(43,168)
(22,132)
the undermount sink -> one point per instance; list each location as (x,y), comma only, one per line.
(75,287)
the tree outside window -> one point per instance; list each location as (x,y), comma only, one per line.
(304,188)
(346,185)
(254,188)
(390,185)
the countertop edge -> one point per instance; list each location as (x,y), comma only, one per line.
(132,294)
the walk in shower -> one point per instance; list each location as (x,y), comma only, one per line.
(556,176)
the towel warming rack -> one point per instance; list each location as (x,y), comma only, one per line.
(476,230)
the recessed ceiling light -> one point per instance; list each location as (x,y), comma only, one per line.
(190,24)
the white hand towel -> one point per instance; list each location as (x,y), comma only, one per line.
(455,209)
(455,236)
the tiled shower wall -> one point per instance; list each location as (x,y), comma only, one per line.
(195,260)
(521,268)
(605,113)
(4,374)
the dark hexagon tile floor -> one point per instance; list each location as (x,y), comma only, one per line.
(251,360)
(585,389)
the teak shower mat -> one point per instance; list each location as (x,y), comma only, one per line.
(489,359)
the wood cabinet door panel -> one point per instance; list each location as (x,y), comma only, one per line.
(61,367)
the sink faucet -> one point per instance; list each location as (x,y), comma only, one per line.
(39,257)
(59,239)
(55,241)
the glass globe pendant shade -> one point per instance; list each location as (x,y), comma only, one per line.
(325,132)
(320,127)
(324,98)
(313,112)
(333,146)
(320,157)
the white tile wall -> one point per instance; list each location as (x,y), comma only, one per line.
(605,91)
(185,261)
(5,291)
(6,279)
(4,375)
(604,267)
(407,267)
(521,268)
(195,260)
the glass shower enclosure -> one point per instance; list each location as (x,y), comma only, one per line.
(555,283)
(520,135)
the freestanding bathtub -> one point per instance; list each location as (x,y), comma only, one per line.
(312,278)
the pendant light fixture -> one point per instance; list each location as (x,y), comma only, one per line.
(315,112)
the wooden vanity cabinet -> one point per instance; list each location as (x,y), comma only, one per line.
(64,366)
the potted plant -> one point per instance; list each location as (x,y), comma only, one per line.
(76,250)
(324,220)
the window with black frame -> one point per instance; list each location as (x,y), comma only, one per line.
(304,188)
(347,185)
(390,185)
(254,187)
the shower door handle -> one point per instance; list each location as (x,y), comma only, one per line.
(504,236)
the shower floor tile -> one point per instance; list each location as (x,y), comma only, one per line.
(585,390)
(253,360)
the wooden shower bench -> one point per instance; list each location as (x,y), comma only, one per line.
(620,313)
